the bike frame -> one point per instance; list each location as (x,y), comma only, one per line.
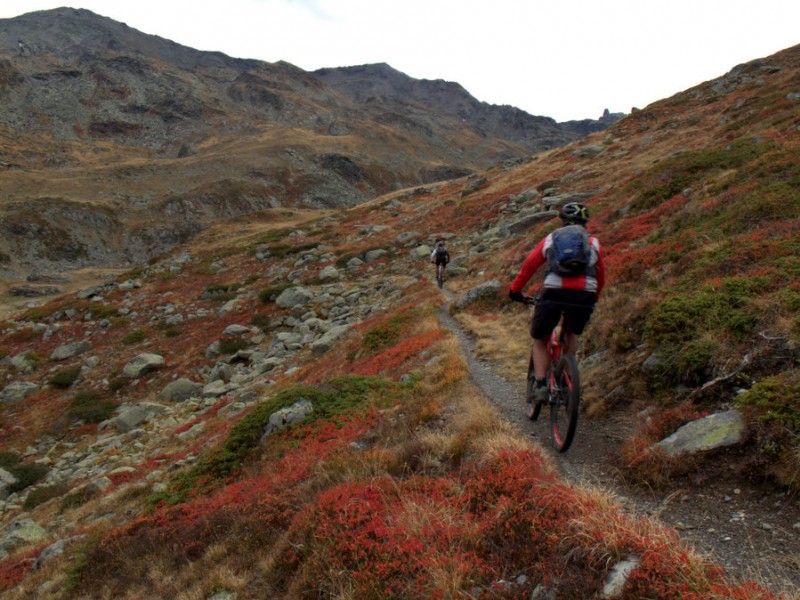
(563,387)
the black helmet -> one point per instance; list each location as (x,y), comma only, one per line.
(572,212)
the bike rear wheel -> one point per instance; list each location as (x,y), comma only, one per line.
(534,408)
(440,275)
(565,402)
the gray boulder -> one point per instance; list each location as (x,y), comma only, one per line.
(588,151)
(236,330)
(19,533)
(6,481)
(69,350)
(294,296)
(711,432)
(16,391)
(24,361)
(354,263)
(329,273)
(143,364)
(487,289)
(180,390)
(373,255)
(423,251)
(322,345)
(287,416)
(528,221)
(133,416)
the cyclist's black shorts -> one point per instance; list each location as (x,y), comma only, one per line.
(576,305)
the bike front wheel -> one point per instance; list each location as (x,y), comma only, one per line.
(565,402)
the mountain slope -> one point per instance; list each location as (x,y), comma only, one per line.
(89,103)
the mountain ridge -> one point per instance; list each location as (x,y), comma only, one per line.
(89,102)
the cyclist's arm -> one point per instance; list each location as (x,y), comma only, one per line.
(600,268)
(600,273)
(535,260)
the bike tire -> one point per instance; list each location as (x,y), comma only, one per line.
(440,276)
(534,408)
(565,403)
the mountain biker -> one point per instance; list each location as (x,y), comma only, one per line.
(572,294)
(440,256)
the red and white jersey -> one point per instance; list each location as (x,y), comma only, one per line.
(593,281)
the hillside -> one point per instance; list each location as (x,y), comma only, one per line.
(274,409)
(116,145)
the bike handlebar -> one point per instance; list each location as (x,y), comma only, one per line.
(528,300)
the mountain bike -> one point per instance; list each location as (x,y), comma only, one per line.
(563,388)
(440,275)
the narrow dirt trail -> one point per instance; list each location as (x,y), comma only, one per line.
(751,531)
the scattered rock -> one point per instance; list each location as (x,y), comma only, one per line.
(375,255)
(618,577)
(236,330)
(143,364)
(34,291)
(16,391)
(294,296)
(6,481)
(322,345)
(20,532)
(287,416)
(133,416)
(487,289)
(714,431)
(70,350)
(180,390)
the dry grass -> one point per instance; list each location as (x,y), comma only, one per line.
(503,340)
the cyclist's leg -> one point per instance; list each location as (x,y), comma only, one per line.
(541,358)
(576,317)
(570,343)
(545,319)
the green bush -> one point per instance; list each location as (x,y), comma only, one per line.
(91,407)
(76,499)
(9,459)
(270,294)
(64,378)
(775,402)
(231,345)
(26,474)
(134,337)
(262,321)
(330,401)
(724,308)
(43,494)
(387,333)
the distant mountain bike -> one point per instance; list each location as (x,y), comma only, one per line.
(440,275)
(563,388)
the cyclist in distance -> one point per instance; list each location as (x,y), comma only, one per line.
(574,277)
(440,256)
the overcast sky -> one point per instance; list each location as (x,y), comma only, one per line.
(566,59)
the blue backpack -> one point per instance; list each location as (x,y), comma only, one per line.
(571,252)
